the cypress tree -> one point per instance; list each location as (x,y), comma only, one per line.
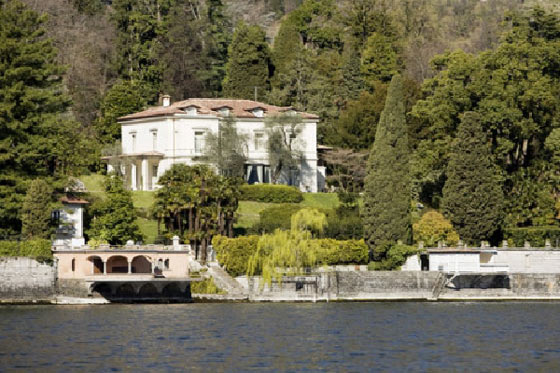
(387,184)
(248,63)
(36,210)
(472,195)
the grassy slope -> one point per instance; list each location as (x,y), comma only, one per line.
(247,213)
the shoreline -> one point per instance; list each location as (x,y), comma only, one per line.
(213,298)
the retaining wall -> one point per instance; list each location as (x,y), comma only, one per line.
(25,279)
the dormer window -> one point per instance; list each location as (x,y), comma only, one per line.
(224,111)
(258,112)
(190,110)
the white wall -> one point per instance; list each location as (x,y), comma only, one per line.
(175,139)
(529,261)
(455,262)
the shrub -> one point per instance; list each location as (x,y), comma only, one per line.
(39,249)
(432,228)
(396,257)
(348,227)
(535,235)
(271,193)
(234,253)
(333,252)
(275,217)
(206,286)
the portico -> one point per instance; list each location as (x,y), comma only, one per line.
(141,170)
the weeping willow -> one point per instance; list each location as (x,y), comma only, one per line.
(288,252)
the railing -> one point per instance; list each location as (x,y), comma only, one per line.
(126,247)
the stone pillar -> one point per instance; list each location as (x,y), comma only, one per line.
(129,266)
(104,267)
(110,168)
(175,242)
(145,178)
(153,266)
(133,176)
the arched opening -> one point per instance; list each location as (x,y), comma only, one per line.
(102,289)
(148,290)
(125,290)
(171,290)
(140,264)
(117,264)
(97,264)
(73,265)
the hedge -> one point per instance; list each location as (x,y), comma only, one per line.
(333,252)
(535,235)
(274,217)
(38,249)
(234,253)
(271,193)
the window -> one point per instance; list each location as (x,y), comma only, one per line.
(73,265)
(133,135)
(154,139)
(258,112)
(154,170)
(224,111)
(259,141)
(166,264)
(198,142)
(191,110)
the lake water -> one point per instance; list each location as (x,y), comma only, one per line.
(282,337)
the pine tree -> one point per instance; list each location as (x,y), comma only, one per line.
(36,210)
(248,63)
(472,195)
(387,185)
(31,101)
(114,218)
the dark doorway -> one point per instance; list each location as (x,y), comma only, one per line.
(424,262)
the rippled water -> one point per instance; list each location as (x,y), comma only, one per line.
(280,337)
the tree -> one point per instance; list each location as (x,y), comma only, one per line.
(283,153)
(227,149)
(288,252)
(124,97)
(249,63)
(114,218)
(432,228)
(36,210)
(472,195)
(387,186)
(31,104)
(195,203)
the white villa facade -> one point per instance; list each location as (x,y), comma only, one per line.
(156,138)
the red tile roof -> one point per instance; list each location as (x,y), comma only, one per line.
(211,106)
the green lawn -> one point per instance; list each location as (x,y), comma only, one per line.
(247,213)
(320,200)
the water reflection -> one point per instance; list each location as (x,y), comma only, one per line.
(294,337)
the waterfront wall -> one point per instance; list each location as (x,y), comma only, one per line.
(411,285)
(25,279)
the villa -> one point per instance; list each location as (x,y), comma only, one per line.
(156,138)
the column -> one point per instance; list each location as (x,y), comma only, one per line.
(153,266)
(129,266)
(104,267)
(145,176)
(133,176)
(110,168)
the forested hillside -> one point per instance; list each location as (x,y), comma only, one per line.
(104,59)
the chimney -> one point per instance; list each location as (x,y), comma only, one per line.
(165,100)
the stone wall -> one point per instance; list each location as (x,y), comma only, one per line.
(25,279)
(529,260)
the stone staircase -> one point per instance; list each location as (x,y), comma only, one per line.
(438,286)
(224,281)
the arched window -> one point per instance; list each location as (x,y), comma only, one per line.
(73,265)
(166,264)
